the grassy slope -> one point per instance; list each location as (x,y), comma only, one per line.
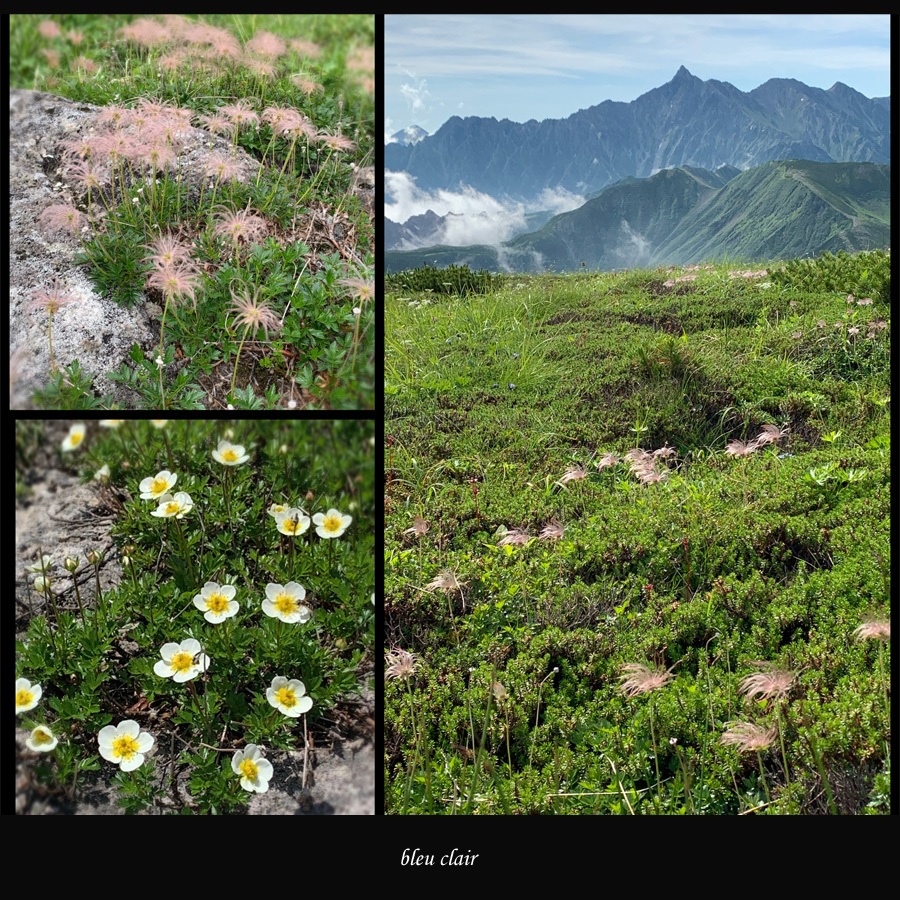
(749,558)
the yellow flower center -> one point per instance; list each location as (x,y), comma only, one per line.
(159,486)
(332,523)
(124,747)
(277,507)
(230,455)
(23,698)
(76,438)
(286,697)
(290,525)
(217,603)
(182,662)
(42,737)
(285,604)
(171,508)
(249,769)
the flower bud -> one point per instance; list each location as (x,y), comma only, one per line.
(71,563)
(94,556)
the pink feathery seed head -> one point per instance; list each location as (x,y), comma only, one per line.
(169,253)
(82,62)
(299,126)
(874,629)
(78,148)
(336,142)
(157,154)
(640,679)
(282,117)
(361,288)
(401,664)
(574,473)
(254,312)
(552,531)
(261,68)
(515,536)
(739,448)
(83,173)
(306,48)
(748,737)
(220,166)
(145,32)
(216,124)
(240,113)
(240,224)
(266,44)
(220,41)
(49,29)
(51,300)
(113,116)
(174,282)
(116,147)
(770,683)
(306,85)
(61,217)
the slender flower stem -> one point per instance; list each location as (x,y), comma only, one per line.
(787,774)
(184,548)
(169,452)
(655,754)
(234,376)
(78,596)
(50,338)
(201,709)
(99,596)
(763,775)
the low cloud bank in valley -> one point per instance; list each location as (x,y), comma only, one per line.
(472,217)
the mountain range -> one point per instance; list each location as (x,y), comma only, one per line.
(683,215)
(686,122)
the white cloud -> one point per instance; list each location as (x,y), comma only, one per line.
(559,200)
(472,217)
(416,94)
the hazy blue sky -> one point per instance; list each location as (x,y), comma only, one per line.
(524,67)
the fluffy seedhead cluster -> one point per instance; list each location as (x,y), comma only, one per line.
(771,683)
(748,737)
(771,434)
(401,664)
(640,679)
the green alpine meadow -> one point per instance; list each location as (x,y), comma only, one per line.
(637,540)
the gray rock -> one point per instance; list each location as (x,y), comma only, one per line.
(95,331)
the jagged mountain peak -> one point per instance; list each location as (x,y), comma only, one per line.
(685,122)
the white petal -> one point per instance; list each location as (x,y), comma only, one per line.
(169,649)
(163,669)
(128,765)
(129,727)
(106,737)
